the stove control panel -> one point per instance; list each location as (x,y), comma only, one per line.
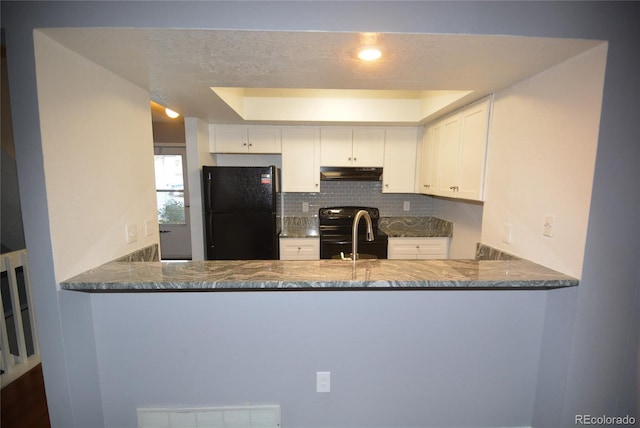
(347,212)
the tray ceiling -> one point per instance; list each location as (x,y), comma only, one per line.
(434,72)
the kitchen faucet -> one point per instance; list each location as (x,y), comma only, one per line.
(354,235)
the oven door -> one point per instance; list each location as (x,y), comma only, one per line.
(331,248)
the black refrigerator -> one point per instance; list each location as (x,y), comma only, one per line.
(241,221)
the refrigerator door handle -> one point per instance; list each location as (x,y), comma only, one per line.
(208,218)
(208,192)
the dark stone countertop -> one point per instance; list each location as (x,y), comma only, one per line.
(276,275)
(394,227)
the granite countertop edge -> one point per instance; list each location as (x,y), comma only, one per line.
(327,275)
(314,286)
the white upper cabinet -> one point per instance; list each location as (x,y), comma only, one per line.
(448,151)
(473,151)
(399,173)
(245,139)
(462,149)
(336,147)
(368,146)
(450,161)
(429,160)
(300,159)
(351,146)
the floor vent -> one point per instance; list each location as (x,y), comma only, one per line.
(249,416)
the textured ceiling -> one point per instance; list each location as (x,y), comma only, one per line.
(179,66)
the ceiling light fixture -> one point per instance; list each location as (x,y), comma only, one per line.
(172,114)
(369,53)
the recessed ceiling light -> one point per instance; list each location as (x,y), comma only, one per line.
(369,53)
(172,114)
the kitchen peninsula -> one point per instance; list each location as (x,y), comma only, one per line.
(277,275)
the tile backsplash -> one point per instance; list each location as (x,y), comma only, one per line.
(358,193)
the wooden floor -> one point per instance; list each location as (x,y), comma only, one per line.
(24,403)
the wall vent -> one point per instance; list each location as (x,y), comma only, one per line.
(246,416)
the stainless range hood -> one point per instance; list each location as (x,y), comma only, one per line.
(331,173)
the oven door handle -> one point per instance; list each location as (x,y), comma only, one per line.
(342,242)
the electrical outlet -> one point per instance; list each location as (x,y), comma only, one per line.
(406,206)
(305,207)
(132,233)
(323,381)
(549,224)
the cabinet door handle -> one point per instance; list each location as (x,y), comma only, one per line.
(349,159)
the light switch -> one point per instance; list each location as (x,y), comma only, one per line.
(549,223)
(132,233)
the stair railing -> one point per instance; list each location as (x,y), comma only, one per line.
(19,347)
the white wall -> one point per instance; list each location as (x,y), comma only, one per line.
(467,223)
(397,358)
(542,150)
(96,166)
(98,150)
(197,139)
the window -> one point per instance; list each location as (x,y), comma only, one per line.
(170,189)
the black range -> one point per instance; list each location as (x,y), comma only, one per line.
(336,226)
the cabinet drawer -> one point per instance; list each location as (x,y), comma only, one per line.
(418,248)
(299,249)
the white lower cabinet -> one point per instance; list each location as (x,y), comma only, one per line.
(418,248)
(299,248)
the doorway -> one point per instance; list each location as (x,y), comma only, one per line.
(172,193)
